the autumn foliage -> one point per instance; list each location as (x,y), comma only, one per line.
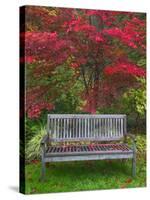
(103,48)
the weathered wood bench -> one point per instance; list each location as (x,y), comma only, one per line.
(103,130)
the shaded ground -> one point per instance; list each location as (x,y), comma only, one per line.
(84,175)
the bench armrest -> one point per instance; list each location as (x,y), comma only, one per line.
(44,140)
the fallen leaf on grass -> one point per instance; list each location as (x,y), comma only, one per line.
(129,180)
(109,161)
(88,163)
(35,161)
(47,164)
(123,186)
(34,190)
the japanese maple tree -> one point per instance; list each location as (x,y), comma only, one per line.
(95,44)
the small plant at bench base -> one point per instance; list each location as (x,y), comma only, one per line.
(107,129)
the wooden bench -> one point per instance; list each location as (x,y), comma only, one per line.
(108,132)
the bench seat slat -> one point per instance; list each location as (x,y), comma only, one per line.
(76,150)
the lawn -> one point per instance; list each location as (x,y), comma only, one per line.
(84,175)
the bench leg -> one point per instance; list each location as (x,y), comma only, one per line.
(43,171)
(134,165)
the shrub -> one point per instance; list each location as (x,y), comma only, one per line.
(135,99)
(140,145)
(32,126)
(67,89)
(32,150)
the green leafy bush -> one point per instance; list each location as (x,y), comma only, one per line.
(32,150)
(135,99)
(140,145)
(32,126)
(67,89)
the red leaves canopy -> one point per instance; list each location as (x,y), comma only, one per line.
(93,40)
(126,68)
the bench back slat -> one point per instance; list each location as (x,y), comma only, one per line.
(70,127)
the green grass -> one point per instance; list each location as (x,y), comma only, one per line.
(84,175)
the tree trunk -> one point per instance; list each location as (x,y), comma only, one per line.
(98,67)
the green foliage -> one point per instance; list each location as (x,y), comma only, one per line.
(140,145)
(142,62)
(134,55)
(32,150)
(134,100)
(67,89)
(109,110)
(30,129)
(137,58)
(32,126)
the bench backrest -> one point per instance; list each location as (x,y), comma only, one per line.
(79,127)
